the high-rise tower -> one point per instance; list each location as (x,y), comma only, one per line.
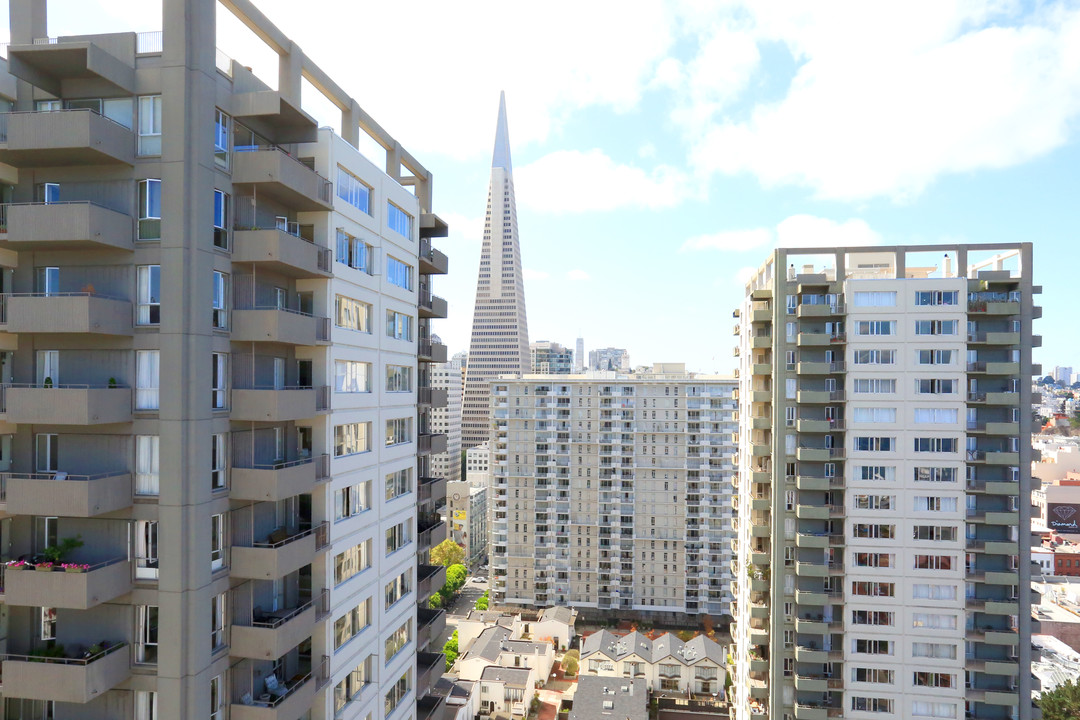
(500,334)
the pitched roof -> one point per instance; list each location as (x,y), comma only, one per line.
(495,640)
(559,613)
(511,676)
(665,647)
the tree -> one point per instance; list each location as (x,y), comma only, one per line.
(436,601)
(1061,703)
(482,601)
(450,649)
(570,662)
(455,579)
(447,553)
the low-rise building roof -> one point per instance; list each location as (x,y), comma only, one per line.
(600,697)
(665,647)
(507,676)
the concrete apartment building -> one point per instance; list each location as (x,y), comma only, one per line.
(883,559)
(610,358)
(467,513)
(216,325)
(612,492)
(446,420)
(551,358)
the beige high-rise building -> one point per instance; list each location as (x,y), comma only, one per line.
(214,420)
(446,420)
(499,344)
(612,493)
(883,554)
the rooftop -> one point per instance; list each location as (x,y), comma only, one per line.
(616,647)
(617,698)
(508,676)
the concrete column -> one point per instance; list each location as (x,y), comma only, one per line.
(290,66)
(350,124)
(962,263)
(28,20)
(393,161)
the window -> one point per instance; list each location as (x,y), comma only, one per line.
(873,532)
(397,537)
(933,621)
(352,623)
(398,483)
(352,500)
(875,357)
(872,675)
(147,455)
(879,298)
(875,444)
(398,325)
(352,314)
(922,708)
(146,634)
(146,705)
(397,693)
(874,386)
(47,193)
(938,651)
(873,617)
(147,379)
(217,623)
(397,588)
(871,647)
(352,685)
(355,253)
(872,589)
(146,549)
(219,381)
(875,472)
(221,220)
(398,273)
(352,562)
(868,559)
(220,319)
(937,416)
(934,562)
(221,141)
(150,125)
(943,533)
(875,327)
(217,542)
(935,327)
(351,376)
(934,503)
(398,220)
(149,280)
(353,190)
(936,445)
(352,438)
(935,357)
(398,378)
(219,461)
(47,281)
(868,704)
(935,474)
(874,415)
(47,623)
(921,591)
(935,386)
(150,209)
(217,698)
(936,297)
(875,502)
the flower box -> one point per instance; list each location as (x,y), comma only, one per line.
(16,566)
(43,568)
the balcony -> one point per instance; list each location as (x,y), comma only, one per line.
(47,62)
(811,654)
(430,306)
(819,368)
(994,338)
(430,707)
(269,635)
(67,404)
(812,512)
(274,481)
(430,443)
(435,397)
(64,138)
(278,554)
(432,489)
(819,310)
(291,698)
(432,261)
(429,578)
(811,569)
(430,534)
(282,177)
(808,540)
(431,352)
(64,495)
(77,312)
(279,325)
(282,250)
(99,583)
(429,667)
(286,121)
(65,226)
(66,680)
(430,625)
(279,404)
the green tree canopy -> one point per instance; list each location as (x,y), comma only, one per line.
(455,579)
(450,649)
(1061,703)
(447,553)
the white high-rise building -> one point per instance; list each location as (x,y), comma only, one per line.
(579,356)
(478,465)
(883,552)
(446,420)
(1063,375)
(612,492)
(499,344)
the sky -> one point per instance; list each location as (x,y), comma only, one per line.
(661,149)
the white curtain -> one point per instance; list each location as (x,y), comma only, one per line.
(147,379)
(146,705)
(48,366)
(147,448)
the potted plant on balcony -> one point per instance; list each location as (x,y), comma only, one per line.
(44,567)
(48,382)
(112,383)
(55,554)
(16,564)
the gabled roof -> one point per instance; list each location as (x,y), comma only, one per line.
(559,614)
(494,641)
(666,647)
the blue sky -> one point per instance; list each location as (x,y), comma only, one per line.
(661,149)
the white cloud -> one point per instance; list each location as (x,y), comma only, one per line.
(570,181)
(577,274)
(793,232)
(469,229)
(888,99)
(743,274)
(530,274)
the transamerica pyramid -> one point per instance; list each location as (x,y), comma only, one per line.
(499,343)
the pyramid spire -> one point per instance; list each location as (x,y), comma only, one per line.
(501,157)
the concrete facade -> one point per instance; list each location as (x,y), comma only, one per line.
(467,514)
(446,420)
(222,316)
(550,358)
(611,492)
(883,547)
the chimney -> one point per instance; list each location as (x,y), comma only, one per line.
(948,265)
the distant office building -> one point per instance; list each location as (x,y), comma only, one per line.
(614,494)
(579,356)
(551,358)
(478,465)
(458,361)
(1063,375)
(499,344)
(446,420)
(467,513)
(609,359)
